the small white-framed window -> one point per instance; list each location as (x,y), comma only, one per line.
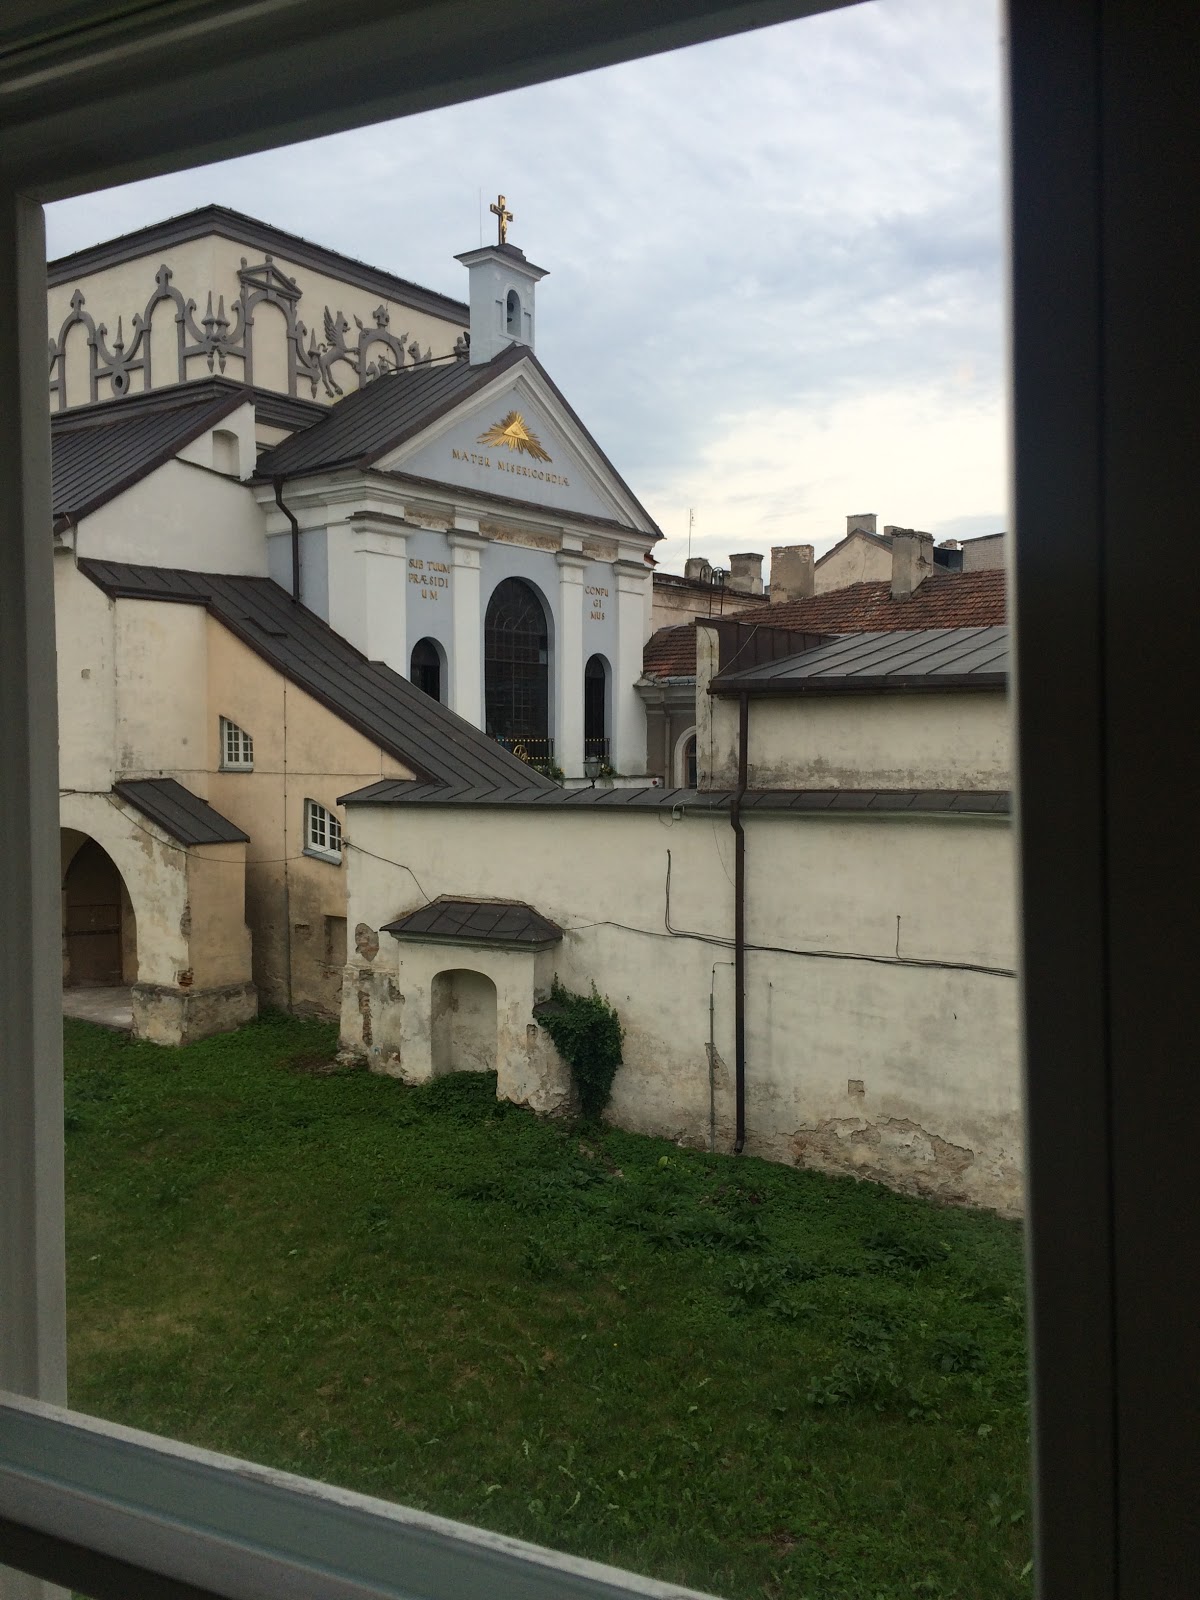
(237,748)
(322,832)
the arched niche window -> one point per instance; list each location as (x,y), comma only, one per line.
(516,669)
(226,452)
(426,670)
(512,314)
(689,763)
(595,710)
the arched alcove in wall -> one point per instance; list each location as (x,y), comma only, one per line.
(426,668)
(462,1022)
(684,764)
(597,702)
(98,923)
(516,669)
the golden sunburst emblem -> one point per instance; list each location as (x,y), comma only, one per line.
(514,433)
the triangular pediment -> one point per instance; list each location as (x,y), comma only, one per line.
(518,439)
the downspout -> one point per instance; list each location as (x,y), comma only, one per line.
(739,926)
(295,538)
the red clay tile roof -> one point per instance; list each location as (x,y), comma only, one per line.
(671,652)
(944,600)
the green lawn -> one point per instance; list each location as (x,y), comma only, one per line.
(757,1381)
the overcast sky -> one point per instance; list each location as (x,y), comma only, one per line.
(775,289)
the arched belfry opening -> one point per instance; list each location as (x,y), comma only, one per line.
(516,669)
(512,314)
(99,928)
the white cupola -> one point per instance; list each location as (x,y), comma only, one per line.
(502,293)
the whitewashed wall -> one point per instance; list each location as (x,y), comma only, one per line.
(903,1073)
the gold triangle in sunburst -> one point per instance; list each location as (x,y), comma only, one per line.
(514,433)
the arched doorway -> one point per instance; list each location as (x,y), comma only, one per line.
(516,669)
(595,710)
(99,930)
(462,1022)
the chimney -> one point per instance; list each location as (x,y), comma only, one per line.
(745,573)
(912,560)
(793,576)
(697,567)
(861,522)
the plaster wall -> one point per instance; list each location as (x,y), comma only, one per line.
(180,516)
(855,1062)
(230,448)
(670,606)
(857,561)
(942,740)
(159,668)
(295,903)
(87,697)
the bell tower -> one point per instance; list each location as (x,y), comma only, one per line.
(502,286)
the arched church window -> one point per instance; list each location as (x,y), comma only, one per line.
(516,671)
(426,670)
(595,710)
(513,313)
(689,763)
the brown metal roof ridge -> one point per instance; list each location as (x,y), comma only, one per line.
(179,812)
(513,924)
(971,802)
(242,229)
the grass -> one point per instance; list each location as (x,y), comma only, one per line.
(761,1382)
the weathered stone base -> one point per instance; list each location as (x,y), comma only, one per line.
(181,1016)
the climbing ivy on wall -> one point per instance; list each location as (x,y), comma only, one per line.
(587,1034)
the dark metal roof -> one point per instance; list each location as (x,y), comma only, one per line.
(179,812)
(244,230)
(99,450)
(357,429)
(504,922)
(919,658)
(968,802)
(428,737)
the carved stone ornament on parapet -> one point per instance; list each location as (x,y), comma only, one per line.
(375,352)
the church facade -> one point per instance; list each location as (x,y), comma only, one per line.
(313,524)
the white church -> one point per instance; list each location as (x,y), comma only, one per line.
(460,524)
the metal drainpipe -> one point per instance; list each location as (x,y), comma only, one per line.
(295,538)
(739,926)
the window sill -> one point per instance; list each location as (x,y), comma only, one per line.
(226,768)
(333,857)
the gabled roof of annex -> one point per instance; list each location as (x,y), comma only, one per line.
(98,451)
(446,751)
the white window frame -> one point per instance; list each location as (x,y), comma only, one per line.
(322,832)
(237,747)
(1100,267)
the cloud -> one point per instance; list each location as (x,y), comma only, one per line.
(790,240)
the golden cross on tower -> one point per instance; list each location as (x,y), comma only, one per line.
(503,218)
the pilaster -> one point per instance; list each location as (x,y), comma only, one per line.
(466,665)
(568,655)
(629,713)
